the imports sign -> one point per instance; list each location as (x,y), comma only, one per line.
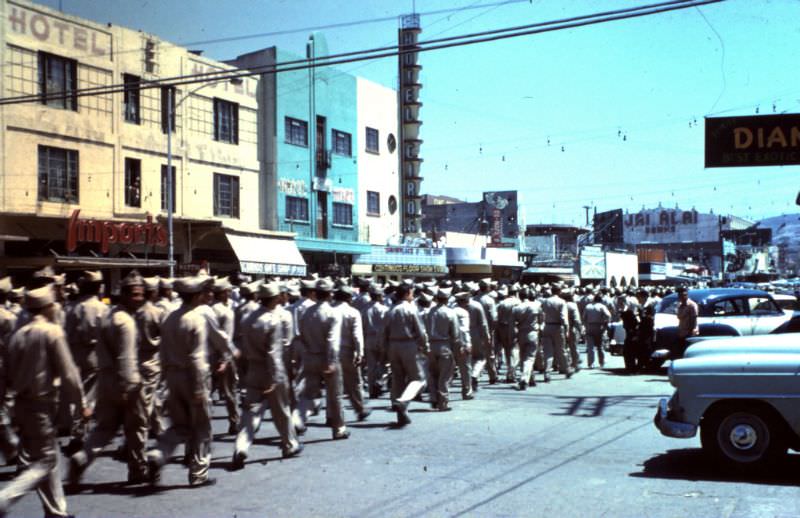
(758,140)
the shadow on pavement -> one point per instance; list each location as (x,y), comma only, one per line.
(693,464)
(594,406)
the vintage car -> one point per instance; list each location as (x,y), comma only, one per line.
(743,393)
(721,312)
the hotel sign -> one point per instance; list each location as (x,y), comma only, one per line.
(58,32)
(759,140)
(410,142)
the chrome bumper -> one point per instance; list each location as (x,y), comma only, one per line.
(670,428)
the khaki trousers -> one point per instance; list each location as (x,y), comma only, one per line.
(314,366)
(510,351)
(407,380)
(351,379)
(440,366)
(255,404)
(553,347)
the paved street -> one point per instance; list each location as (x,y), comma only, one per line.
(585,447)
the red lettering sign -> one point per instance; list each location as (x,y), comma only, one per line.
(108,232)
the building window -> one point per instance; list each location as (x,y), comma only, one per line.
(341,143)
(342,214)
(226,195)
(164,188)
(167,111)
(296,208)
(131,98)
(296,132)
(58,81)
(226,121)
(133,182)
(58,174)
(373,203)
(372,140)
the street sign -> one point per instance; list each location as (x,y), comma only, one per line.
(751,141)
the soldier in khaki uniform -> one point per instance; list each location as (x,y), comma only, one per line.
(83,325)
(403,336)
(574,329)
(527,324)
(8,323)
(463,354)
(227,380)
(481,342)
(441,324)
(184,360)
(120,402)
(321,334)
(505,330)
(266,383)
(373,316)
(554,332)
(38,355)
(351,352)
(148,322)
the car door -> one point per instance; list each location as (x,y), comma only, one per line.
(732,312)
(765,314)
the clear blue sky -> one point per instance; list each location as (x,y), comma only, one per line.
(621,98)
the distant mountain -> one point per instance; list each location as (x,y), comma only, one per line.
(785,232)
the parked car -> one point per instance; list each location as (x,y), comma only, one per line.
(788,303)
(743,395)
(721,312)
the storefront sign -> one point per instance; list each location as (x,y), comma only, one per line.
(58,32)
(408,98)
(413,251)
(293,187)
(284,270)
(408,268)
(757,140)
(341,195)
(109,232)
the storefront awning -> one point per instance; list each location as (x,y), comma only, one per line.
(267,256)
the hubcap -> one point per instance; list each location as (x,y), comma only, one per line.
(743,436)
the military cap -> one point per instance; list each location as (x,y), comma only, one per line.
(345,289)
(293,289)
(514,288)
(375,289)
(222,284)
(247,288)
(471,286)
(40,297)
(16,294)
(444,293)
(5,285)
(503,290)
(132,279)
(269,290)
(409,282)
(393,284)
(151,283)
(463,295)
(193,284)
(71,289)
(166,283)
(308,284)
(484,283)
(426,296)
(59,280)
(92,276)
(45,273)
(324,285)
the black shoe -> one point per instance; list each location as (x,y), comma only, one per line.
(341,434)
(293,452)
(75,473)
(434,405)
(474,384)
(568,374)
(467,397)
(75,445)
(444,407)
(532,383)
(137,477)
(492,381)
(153,473)
(402,414)
(238,460)
(362,416)
(522,386)
(233,428)
(546,378)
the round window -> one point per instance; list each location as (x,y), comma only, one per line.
(392,204)
(391,143)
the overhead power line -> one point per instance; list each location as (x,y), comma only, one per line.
(381,52)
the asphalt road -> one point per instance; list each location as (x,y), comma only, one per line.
(581,447)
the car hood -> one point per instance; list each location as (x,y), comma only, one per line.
(788,343)
(784,363)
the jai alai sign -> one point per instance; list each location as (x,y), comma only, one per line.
(759,140)
(108,232)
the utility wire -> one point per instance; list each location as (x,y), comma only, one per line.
(350,57)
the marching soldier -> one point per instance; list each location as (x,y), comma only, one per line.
(443,336)
(574,330)
(38,355)
(226,380)
(266,383)
(487,350)
(320,333)
(148,322)
(481,341)
(527,324)
(165,301)
(596,316)
(9,441)
(83,325)
(120,401)
(553,337)
(505,325)
(403,336)
(184,360)
(351,353)
(373,317)
(463,354)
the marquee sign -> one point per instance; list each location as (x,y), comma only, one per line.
(758,140)
(409,125)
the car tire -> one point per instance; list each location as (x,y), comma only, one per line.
(743,437)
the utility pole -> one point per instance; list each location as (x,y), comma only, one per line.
(587,207)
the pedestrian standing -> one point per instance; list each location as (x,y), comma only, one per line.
(596,316)
(687,317)
(403,337)
(38,355)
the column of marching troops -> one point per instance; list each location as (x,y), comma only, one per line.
(73,365)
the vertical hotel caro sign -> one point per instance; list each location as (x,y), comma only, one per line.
(56,32)
(759,140)
(409,125)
